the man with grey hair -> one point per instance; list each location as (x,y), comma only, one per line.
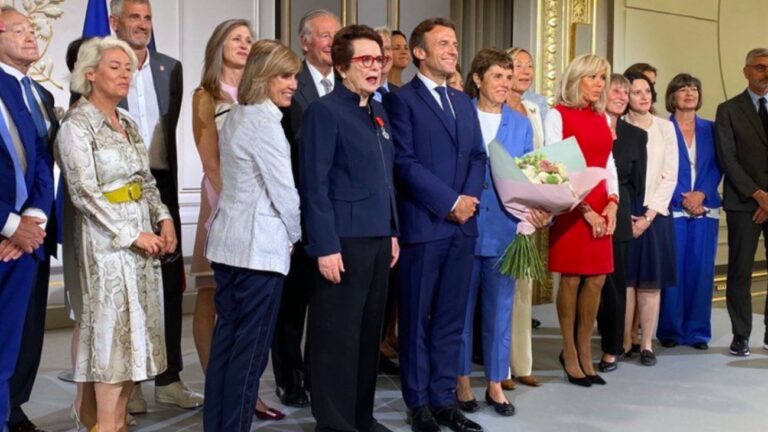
(25,206)
(386,45)
(154,101)
(742,148)
(18,52)
(316,79)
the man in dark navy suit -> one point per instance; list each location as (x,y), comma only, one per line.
(439,167)
(26,196)
(18,51)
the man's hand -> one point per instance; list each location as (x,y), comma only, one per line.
(331,267)
(760,216)
(465,209)
(761,197)
(168,234)
(30,234)
(9,251)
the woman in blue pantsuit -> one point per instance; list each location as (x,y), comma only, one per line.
(488,81)
(686,308)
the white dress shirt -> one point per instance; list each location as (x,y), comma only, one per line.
(13,221)
(145,109)
(317,77)
(431,86)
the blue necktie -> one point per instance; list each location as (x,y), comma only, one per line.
(34,108)
(21,185)
(383,90)
(446,105)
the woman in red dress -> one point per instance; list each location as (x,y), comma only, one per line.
(580,246)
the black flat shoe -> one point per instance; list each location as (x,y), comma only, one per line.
(604,366)
(535,323)
(668,343)
(647,358)
(293,396)
(700,345)
(505,409)
(469,406)
(582,382)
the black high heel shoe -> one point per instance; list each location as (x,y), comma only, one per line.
(593,379)
(582,382)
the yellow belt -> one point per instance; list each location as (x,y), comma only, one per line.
(129,192)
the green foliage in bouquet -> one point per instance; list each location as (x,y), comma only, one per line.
(521,260)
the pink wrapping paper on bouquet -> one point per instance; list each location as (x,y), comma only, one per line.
(554,178)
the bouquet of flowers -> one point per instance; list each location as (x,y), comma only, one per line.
(554,178)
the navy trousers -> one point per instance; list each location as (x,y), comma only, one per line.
(434,287)
(497,299)
(686,308)
(16,281)
(247,302)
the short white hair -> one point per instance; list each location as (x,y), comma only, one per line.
(304,30)
(384,31)
(88,58)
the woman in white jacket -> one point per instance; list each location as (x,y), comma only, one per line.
(251,235)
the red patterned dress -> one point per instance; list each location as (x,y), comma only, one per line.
(572,248)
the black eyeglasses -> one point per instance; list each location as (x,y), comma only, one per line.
(367,60)
(759,67)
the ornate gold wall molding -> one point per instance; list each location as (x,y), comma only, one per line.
(557,21)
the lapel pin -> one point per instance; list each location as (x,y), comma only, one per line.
(162,68)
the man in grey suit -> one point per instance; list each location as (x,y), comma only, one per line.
(316,79)
(154,101)
(742,148)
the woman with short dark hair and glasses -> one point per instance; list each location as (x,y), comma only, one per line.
(686,310)
(348,203)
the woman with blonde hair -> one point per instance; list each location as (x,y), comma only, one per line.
(521,352)
(117,213)
(225,56)
(580,241)
(251,236)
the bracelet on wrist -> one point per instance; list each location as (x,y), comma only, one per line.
(613,198)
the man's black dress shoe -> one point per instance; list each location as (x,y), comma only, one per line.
(455,420)
(700,345)
(668,343)
(740,346)
(24,426)
(422,420)
(765,340)
(505,409)
(292,396)
(535,323)
(469,406)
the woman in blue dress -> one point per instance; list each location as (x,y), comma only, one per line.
(686,309)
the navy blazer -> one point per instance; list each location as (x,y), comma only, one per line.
(434,163)
(496,227)
(346,164)
(39,177)
(708,172)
